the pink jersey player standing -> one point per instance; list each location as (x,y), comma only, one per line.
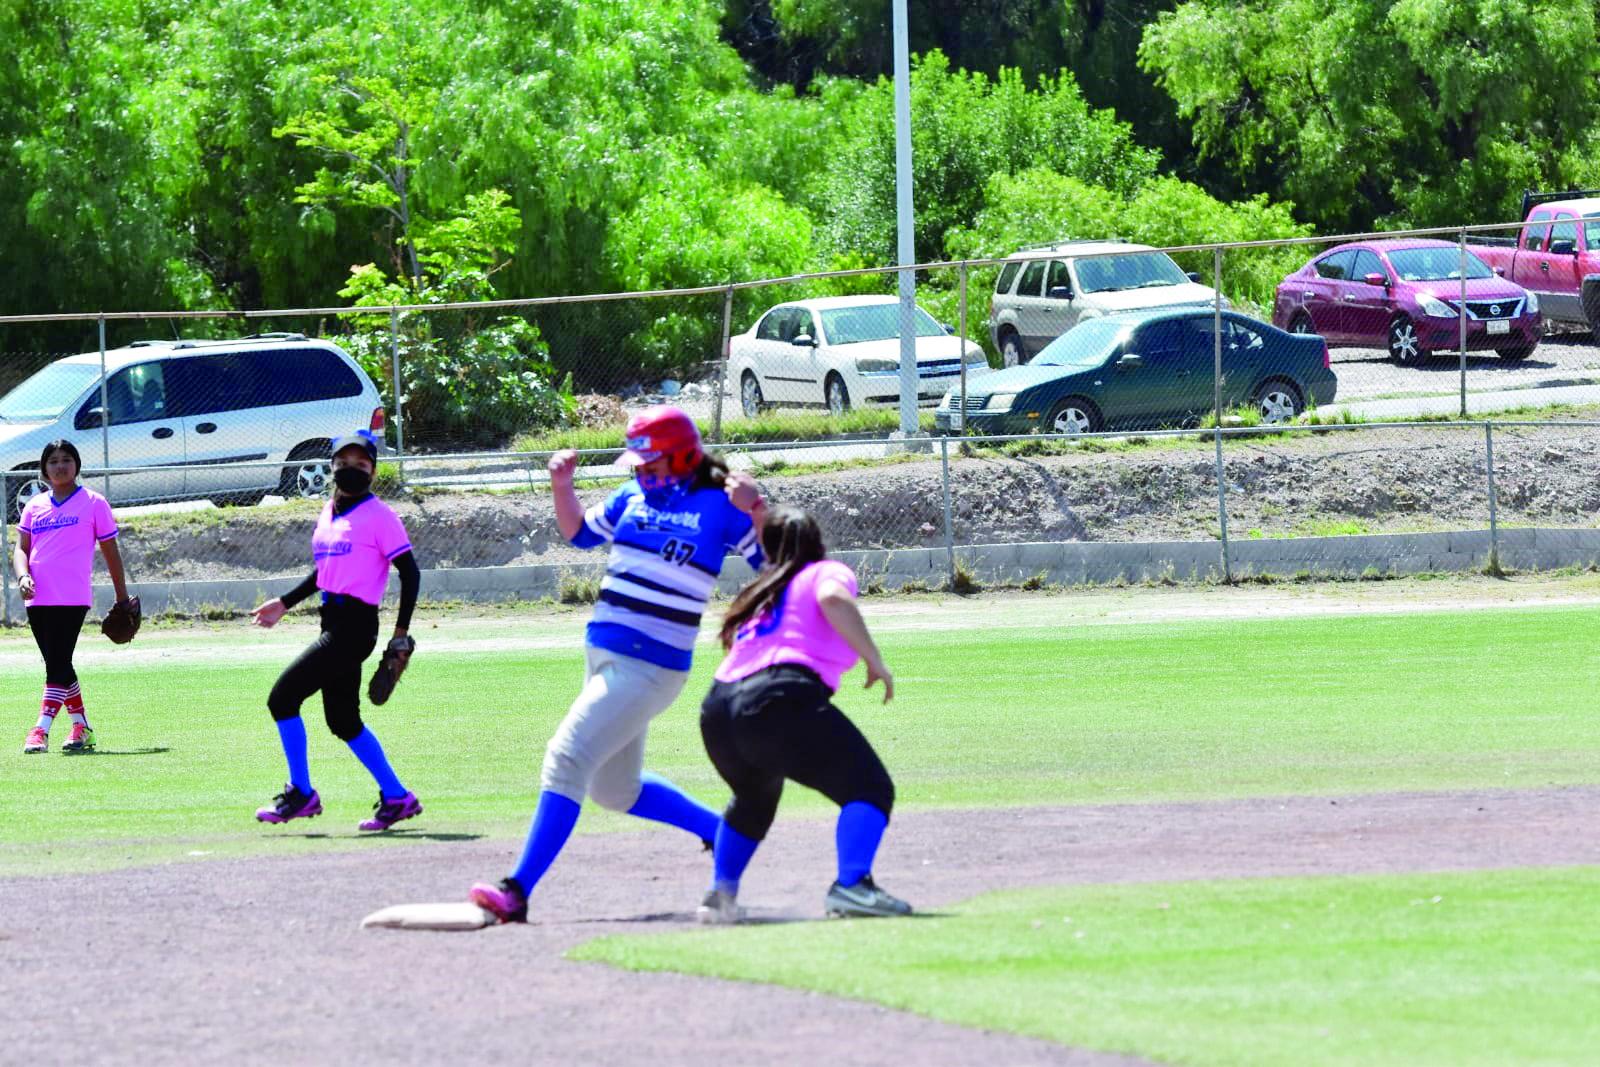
(56,537)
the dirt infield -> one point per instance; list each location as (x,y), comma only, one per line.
(263,962)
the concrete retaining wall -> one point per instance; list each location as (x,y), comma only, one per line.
(1069,563)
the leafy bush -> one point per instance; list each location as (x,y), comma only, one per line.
(465,382)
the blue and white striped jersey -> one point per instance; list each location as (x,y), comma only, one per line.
(667,548)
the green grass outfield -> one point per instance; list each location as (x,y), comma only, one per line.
(1454,970)
(1501,969)
(984,716)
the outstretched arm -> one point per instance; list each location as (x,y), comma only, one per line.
(745,494)
(569,511)
(838,606)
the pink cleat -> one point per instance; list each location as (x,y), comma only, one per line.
(505,900)
(387,812)
(291,804)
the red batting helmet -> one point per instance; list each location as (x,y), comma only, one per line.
(659,431)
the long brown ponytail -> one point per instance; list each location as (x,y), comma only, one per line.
(790,541)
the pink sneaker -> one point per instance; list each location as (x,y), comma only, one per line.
(505,900)
(38,741)
(80,740)
(387,812)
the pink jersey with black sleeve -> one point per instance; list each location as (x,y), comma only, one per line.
(64,536)
(794,631)
(352,551)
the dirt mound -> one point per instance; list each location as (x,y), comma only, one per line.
(1401,479)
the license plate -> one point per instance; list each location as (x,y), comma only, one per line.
(957,420)
(1499,326)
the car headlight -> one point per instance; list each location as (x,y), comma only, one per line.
(975,355)
(1434,308)
(1000,402)
(1532,306)
(877,366)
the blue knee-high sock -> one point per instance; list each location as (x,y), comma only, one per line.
(664,802)
(552,824)
(731,857)
(860,829)
(292,732)
(370,753)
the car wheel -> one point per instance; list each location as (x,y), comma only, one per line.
(22,492)
(750,398)
(1405,348)
(309,479)
(836,395)
(1301,324)
(1512,355)
(1011,353)
(1278,402)
(1073,416)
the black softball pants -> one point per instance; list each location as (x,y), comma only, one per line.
(55,630)
(332,664)
(780,723)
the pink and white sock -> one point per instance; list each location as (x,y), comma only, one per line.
(72,699)
(54,697)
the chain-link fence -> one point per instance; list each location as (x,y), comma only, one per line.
(1061,423)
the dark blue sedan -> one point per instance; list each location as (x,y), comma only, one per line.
(1146,369)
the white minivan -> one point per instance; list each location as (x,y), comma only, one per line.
(208,417)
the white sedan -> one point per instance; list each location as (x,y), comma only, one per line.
(837,352)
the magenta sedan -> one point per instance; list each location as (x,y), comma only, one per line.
(1406,294)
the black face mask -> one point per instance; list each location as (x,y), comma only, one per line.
(352,479)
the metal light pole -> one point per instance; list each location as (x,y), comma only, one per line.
(906,247)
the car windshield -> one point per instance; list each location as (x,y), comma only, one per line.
(872,322)
(1435,264)
(1111,274)
(1087,344)
(47,394)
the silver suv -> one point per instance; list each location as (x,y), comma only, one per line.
(1037,297)
(209,417)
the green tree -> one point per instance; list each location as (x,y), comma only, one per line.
(965,128)
(468,378)
(88,220)
(1363,112)
(1038,207)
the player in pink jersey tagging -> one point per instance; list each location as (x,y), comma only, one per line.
(357,539)
(54,559)
(791,634)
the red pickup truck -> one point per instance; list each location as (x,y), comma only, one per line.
(1556,255)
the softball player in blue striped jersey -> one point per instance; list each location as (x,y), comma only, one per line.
(669,530)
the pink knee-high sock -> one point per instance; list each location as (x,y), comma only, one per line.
(54,697)
(73,702)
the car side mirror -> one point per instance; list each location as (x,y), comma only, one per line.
(1060,292)
(91,419)
(803,340)
(1376,279)
(1131,359)
(1499,271)
(1563,248)
(1193,276)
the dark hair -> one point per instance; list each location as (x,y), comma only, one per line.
(710,473)
(790,541)
(63,445)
